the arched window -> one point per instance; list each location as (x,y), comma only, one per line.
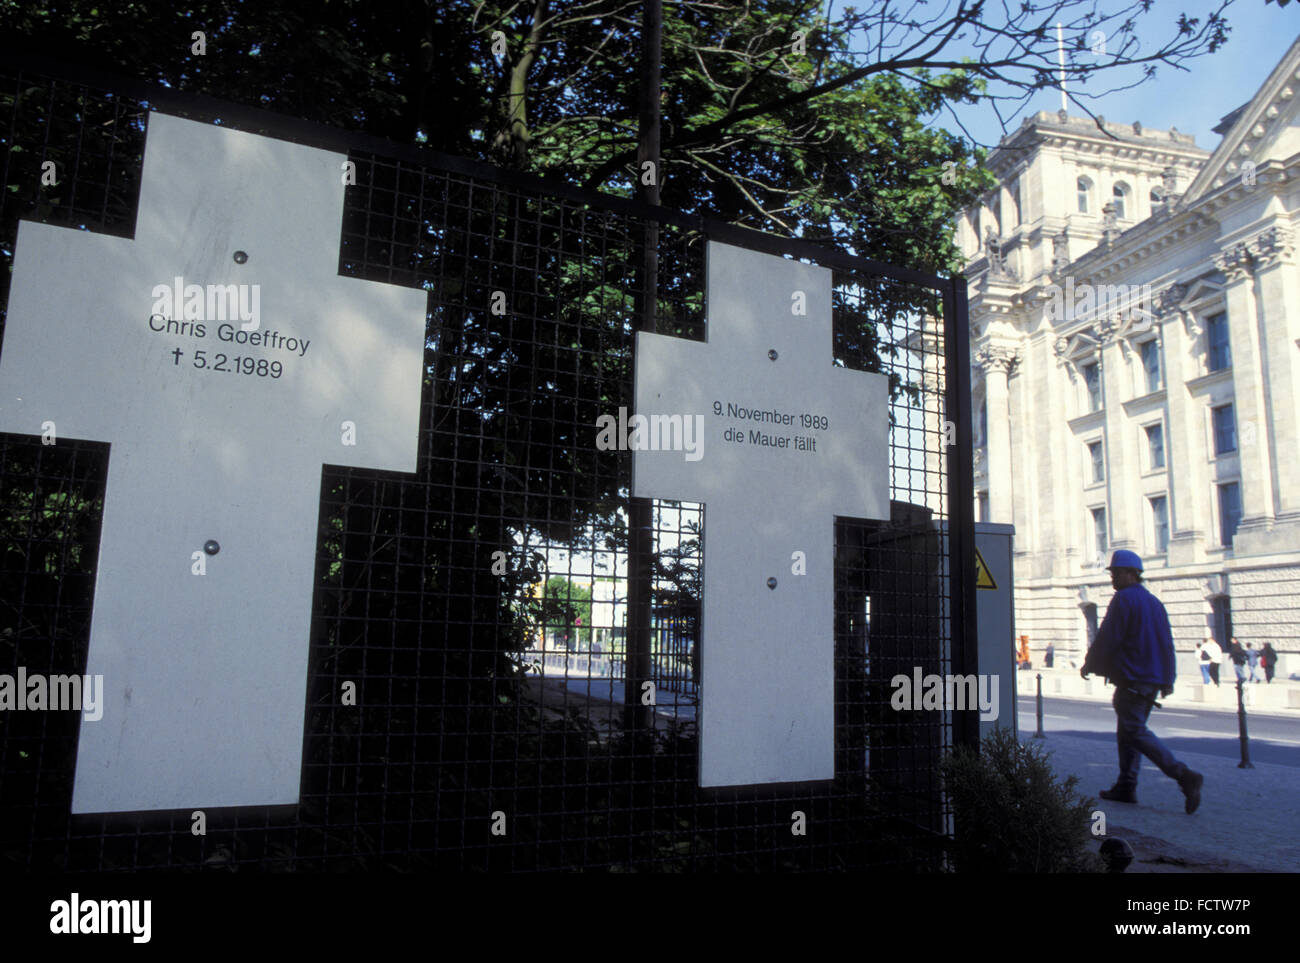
(1157,198)
(1083,186)
(1119,193)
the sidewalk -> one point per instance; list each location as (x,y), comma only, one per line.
(1248,821)
(1281,697)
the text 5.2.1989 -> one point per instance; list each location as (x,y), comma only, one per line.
(239,364)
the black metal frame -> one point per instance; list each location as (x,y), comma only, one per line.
(452,727)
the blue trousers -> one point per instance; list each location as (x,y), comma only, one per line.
(1135,740)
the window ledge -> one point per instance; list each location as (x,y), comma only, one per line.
(1092,419)
(1145,402)
(1208,380)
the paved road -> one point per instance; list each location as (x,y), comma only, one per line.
(1273,739)
(668,704)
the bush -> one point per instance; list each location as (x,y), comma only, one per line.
(1010,813)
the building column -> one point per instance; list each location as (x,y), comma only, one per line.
(997,362)
(1121,481)
(1278,304)
(1185,476)
(1061,460)
(1250,404)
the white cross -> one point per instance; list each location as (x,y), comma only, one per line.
(768,700)
(205,675)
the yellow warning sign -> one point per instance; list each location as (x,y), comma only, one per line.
(983,577)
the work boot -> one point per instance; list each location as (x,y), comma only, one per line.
(1116,794)
(1190,784)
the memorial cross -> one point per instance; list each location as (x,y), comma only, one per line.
(790,440)
(218,430)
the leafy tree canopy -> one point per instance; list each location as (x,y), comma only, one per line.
(773,116)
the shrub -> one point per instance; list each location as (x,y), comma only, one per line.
(1010,813)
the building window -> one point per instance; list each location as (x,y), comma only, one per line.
(1225,430)
(1119,194)
(1157,200)
(1099,531)
(984,506)
(1160,523)
(1092,380)
(1216,340)
(1229,512)
(1082,185)
(1015,200)
(1156,445)
(1151,364)
(1098,462)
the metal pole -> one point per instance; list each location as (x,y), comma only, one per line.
(961,503)
(1039,734)
(1060,60)
(1241,728)
(638,718)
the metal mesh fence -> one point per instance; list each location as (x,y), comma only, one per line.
(480,606)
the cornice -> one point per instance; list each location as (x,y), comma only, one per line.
(1135,157)
(1272,178)
(1268,109)
(1154,235)
(1121,141)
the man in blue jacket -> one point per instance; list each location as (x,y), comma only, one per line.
(1134,650)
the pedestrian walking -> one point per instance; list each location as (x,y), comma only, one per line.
(1049,657)
(1268,659)
(1215,658)
(1203,660)
(1134,650)
(1252,660)
(1238,656)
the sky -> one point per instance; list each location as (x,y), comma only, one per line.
(1193,100)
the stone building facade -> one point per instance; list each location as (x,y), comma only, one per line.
(1135,326)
